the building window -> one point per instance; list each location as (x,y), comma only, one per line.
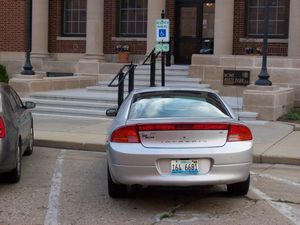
(133,18)
(278,18)
(74,18)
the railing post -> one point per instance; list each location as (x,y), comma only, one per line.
(168,55)
(152,70)
(163,55)
(131,78)
(120,89)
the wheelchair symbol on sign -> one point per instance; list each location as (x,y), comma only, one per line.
(162,33)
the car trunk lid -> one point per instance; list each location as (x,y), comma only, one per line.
(183,135)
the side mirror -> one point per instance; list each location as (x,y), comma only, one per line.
(111,112)
(29,105)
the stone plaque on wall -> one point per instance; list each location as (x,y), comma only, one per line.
(236,77)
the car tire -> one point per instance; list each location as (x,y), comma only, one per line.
(14,176)
(115,190)
(239,189)
(29,149)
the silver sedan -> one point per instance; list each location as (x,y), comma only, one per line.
(177,137)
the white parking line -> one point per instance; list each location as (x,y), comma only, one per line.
(282,180)
(293,214)
(52,216)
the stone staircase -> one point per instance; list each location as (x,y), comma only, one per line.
(93,101)
(236,103)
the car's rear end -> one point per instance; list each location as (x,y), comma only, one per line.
(178,138)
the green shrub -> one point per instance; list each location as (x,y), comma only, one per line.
(294,114)
(3,74)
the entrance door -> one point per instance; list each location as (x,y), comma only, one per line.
(194,29)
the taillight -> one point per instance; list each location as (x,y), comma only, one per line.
(126,134)
(2,128)
(130,134)
(238,132)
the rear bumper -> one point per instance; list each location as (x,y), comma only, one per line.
(147,175)
(133,164)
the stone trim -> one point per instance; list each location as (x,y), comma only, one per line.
(260,40)
(128,39)
(59,38)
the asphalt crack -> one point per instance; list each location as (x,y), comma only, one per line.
(285,201)
(168,214)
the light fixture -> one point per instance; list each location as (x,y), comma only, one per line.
(209,4)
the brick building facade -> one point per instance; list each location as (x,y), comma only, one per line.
(12,25)
(80,36)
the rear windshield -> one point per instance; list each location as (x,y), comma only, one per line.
(177,104)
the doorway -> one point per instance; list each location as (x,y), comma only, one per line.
(194,30)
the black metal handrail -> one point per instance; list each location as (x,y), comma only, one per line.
(121,78)
(149,56)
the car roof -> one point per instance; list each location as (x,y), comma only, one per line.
(157,89)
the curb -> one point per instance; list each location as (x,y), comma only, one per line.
(276,160)
(101,148)
(296,126)
(70,145)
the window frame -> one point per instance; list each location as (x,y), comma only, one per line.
(118,23)
(63,34)
(286,30)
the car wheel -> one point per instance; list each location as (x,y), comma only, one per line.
(115,190)
(29,149)
(15,175)
(240,188)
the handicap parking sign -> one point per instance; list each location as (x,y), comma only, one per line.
(162,30)
(162,33)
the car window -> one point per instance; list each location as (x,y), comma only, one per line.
(14,105)
(7,107)
(17,98)
(177,104)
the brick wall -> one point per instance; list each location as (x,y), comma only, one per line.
(275,49)
(170,14)
(60,46)
(110,31)
(12,25)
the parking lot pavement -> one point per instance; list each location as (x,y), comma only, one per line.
(69,187)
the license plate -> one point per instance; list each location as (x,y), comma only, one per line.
(184,167)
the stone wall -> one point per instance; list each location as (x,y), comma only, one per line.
(283,71)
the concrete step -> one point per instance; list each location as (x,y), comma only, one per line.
(72,104)
(236,103)
(146,83)
(247,116)
(175,73)
(158,67)
(103,88)
(68,111)
(77,96)
(146,77)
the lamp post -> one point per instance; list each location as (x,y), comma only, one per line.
(263,77)
(27,68)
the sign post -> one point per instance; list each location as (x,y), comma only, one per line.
(162,42)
